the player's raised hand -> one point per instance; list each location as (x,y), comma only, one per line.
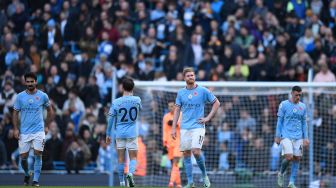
(277,140)
(203,120)
(173,133)
(16,134)
(108,140)
(305,143)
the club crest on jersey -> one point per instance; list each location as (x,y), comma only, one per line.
(195,93)
(189,96)
(37,98)
(30,101)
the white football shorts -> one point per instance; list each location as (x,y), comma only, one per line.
(35,141)
(129,143)
(192,138)
(290,146)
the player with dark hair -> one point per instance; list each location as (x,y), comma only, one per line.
(292,134)
(123,114)
(31,104)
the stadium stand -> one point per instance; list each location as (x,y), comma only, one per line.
(73,46)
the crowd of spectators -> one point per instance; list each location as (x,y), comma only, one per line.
(75,45)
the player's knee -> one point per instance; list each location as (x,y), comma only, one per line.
(196,152)
(133,154)
(24,156)
(187,153)
(296,158)
(289,157)
(37,153)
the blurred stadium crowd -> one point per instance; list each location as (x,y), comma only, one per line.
(73,46)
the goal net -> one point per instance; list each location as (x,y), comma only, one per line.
(239,144)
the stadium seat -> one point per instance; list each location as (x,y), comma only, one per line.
(58,165)
(91,166)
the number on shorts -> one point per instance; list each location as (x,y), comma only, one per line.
(43,143)
(201,139)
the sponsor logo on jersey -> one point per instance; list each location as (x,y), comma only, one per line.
(30,101)
(189,96)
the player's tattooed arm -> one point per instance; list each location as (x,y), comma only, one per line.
(50,115)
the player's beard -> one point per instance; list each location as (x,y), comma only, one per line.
(31,88)
(191,82)
(296,100)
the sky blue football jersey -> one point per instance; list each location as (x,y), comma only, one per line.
(31,107)
(192,103)
(123,116)
(292,120)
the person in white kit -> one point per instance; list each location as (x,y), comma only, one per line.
(292,134)
(30,104)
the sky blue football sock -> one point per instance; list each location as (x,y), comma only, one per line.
(121,167)
(188,169)
(201,164)
(37,167)
(294,171)
(132,166)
